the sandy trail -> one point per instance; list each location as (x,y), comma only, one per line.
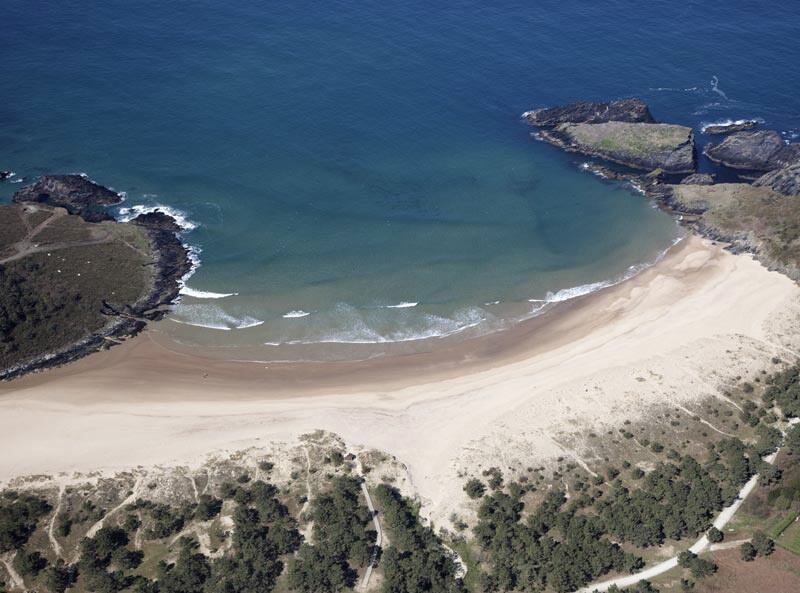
(599,360)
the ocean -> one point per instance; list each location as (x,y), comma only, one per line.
(354,176)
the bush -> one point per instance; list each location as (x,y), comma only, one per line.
(763,545)
(715,535)
(747,551)
(474,488)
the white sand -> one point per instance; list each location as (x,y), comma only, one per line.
(670,334)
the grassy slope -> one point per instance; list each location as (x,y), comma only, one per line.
(54,298)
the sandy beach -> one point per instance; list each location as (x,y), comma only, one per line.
(674,333)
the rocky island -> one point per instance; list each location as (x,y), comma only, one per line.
(623,132)
(72,279)
(762,150)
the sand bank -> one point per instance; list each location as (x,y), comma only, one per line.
(672,333)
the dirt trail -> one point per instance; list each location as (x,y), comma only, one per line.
(129,500)
(16,580)
(52,526)
(378,539)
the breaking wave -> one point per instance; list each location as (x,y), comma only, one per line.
(205,294)
(211,317)
(180,217)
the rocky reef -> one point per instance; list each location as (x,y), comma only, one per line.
(76,193)
(624,110)
(762,150)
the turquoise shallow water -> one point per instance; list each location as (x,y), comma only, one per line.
(340,159)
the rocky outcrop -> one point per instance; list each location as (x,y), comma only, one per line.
(636,145)
(762,150)
(173,262)
(785,181)
(170,258)
(5,175)
(698,179)
(76,193)
(157,220)
(625,110)
(736,126)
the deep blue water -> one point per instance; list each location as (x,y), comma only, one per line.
(339,157)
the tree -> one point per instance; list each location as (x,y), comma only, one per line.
(19,514)
(189,573)
(127,559)
(474,488)
(763,545)
(748,552)
(59,576)
(715,535)
(207,508)
(29,564)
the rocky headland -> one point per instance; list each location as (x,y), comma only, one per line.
(75,280)
(762,217)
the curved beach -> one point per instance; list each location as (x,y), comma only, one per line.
(672,334)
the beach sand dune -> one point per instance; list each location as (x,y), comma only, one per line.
(674,333)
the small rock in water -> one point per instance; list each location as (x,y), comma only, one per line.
(736,126)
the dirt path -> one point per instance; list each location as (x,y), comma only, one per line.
(26,251)
(129,500)
(16,580)
(51,528)
(378,539)
(307,531)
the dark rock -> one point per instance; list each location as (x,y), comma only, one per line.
(785,181)
(76,193)
(736,126)
(625,110)
(157,220)
(698,179)
(5,175)
(762,150)
(173,264)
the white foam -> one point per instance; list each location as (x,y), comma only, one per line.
(673,89)
(205,294)
(716,89)
(730,122)
(566,294)
(355,329)
(211,317)
(181,218)
(296,314)
(402,305)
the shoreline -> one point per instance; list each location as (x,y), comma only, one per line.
(673,333)
(154,353)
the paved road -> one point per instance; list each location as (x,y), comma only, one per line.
(699,546)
